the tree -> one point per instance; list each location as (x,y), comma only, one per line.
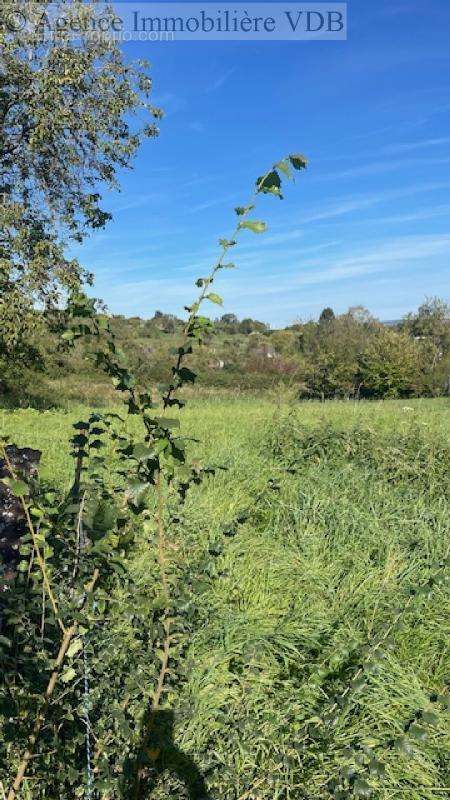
(362,316)
(327,315)
(228,323)
(228,319)
(249,325)
(65,130)
(390,365)
(432,321)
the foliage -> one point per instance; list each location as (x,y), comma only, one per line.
(75,555)
(65,130)
(390,364)
(326,315)
(320,359)
(310,564)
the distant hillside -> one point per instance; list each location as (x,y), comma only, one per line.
(347,355)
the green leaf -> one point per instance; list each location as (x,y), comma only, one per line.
(377,769)
(186,375)
(254,225)
(19,488)
(74,648)
(418,732)
(241,210)
(270,184)
(284,167)
(404,746)
(362,789)
(141,452)
(215,298)
(227,266)
(298,161)
(429,718)
(80,440)
(166,422)
(68,675)
(100,515)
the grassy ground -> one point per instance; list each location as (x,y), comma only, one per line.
(346,513)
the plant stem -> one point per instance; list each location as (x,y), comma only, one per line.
(209,280)
(64,646)
(39,556)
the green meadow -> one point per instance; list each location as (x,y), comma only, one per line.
(329,531)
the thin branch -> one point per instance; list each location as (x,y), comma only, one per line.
(64,646)
(39,556)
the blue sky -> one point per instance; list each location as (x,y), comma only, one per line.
(369,223)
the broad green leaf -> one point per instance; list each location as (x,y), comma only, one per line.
(284,167)
(429,718)
(362,789)
(298,161)
(186,375)
(142,452)
(418,732)
(166,422)
(215,298)
(100,515)
(254,225)
(19,488)
(74,648)
(404,746)
(68,675)
(270,184)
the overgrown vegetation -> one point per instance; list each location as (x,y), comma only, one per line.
(329,523)
(259,616)
(351,355)
(68,111)
(73,552)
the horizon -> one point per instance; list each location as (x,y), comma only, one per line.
(368,223)
(298,321)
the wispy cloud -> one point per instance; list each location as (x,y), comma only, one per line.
(347,205)
(215,201)
(136,202)
(412,216)
(221,80)
(423,144)
(383,257)
(381,166)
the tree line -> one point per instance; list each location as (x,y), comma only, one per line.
(349,355)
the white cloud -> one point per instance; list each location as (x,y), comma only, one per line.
(387,258)
(221,80)
(381,166)
(405,147)
(347,205)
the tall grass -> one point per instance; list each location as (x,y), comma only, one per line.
(335,514)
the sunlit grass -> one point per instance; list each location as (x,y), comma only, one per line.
(323,559)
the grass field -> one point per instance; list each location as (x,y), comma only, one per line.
(342,516)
